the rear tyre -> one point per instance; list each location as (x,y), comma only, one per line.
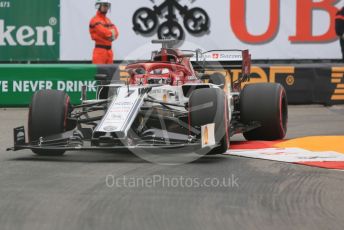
(209,105)
(267,104)
(47,116)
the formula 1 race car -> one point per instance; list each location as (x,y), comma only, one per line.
(168,102)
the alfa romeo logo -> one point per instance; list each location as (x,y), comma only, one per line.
(148,21)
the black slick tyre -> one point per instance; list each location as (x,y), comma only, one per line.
(47,116)
(209,105)
(265,103)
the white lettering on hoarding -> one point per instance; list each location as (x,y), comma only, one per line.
(23,34)
(76,86)
(4,86)
(49,35)
(49,85)
(5,4)
(61,85)
(26,35)
(6,34)
(32,86)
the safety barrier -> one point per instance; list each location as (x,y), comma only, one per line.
(304,83)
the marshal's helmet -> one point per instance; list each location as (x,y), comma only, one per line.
(105,2)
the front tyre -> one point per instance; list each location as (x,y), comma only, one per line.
(209,105)
(47,116)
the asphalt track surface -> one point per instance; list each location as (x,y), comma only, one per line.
(71,192)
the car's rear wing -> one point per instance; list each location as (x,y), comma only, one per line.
(222,59)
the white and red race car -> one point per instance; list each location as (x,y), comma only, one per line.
(167,102)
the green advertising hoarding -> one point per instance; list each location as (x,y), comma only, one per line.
(19,82)
(29,30)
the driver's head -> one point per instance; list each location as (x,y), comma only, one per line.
(103,6)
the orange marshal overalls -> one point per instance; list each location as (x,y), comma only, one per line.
(100,30)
